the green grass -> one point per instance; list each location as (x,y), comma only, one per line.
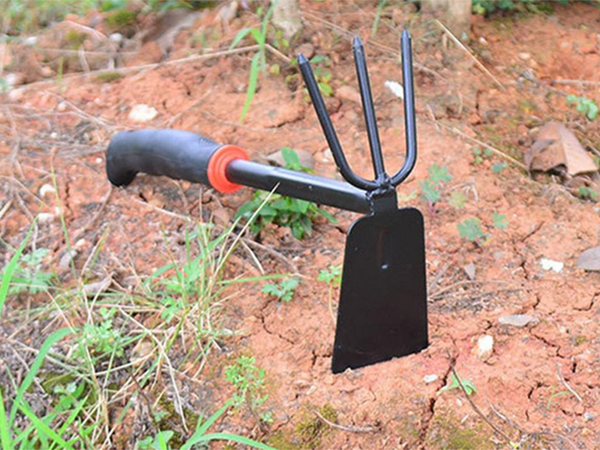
(175,315)
(269,208)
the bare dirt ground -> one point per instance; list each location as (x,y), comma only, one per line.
(60,129)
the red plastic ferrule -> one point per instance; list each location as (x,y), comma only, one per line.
(217,168)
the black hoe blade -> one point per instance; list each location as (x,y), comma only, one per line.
(383,303)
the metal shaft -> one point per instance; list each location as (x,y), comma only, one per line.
(298,185)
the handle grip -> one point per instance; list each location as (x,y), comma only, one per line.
(181,155)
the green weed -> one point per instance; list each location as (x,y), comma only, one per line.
(29,276)
(586,106)
(431,187)
(259,60)
(458,199)
(297,215)
(470,229)
(500,221)
(587,193)
(455,383)
(332,275)
(249,383)
(283,291)
(498,167)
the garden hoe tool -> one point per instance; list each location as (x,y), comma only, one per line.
(382,311)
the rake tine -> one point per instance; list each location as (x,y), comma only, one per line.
(369,110)
(409,111)
(328,130)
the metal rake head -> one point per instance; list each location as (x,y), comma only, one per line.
(382,181)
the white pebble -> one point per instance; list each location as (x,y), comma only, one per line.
(485,347)
(46,217)
(396,88)
(47,189)
(548,264)
(142,113)
(428,379)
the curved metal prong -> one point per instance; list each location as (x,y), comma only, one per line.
(369,110)
(328,130)
(409,112)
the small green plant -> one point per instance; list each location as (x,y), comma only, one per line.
(249,383)
(500,221)
(201,438)
(458,199)
(455,383)
(587,193)
(470,229)
(499,167)
(259,60)
(554,395)
(297,215)
(332,275)
(586,106)
(322,74)
(101,338)
(431,187)
(283,291)
(479,155)
(486,7)
(29,276)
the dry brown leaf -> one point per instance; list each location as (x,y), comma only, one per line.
(557,148)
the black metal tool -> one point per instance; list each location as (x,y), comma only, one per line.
(383,303)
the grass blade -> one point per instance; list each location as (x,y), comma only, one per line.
(41,427)
(254,69)
(35,367)
(241,35)
(10,269)
(212,419)
(235,438)
(5,440)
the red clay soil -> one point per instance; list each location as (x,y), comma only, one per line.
(64,128)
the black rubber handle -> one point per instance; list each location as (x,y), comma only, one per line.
(180,155)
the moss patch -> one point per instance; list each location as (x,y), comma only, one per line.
(447,433)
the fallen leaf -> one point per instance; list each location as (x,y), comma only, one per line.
(557,149)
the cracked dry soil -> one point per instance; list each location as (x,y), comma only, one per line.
(293,341)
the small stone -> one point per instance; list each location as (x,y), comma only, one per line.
(470,271)
(518,320)
(46,217)
(485,347)
(588,416)
(396,88)
(15,95)
(549,264)
(116,37)
(590,259)
(307,49)
(142,113)
(524,56)
(348,93)
(428,379)
(47,189)
(61,107)
(14,79)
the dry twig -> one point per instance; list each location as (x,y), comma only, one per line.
(470,53)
